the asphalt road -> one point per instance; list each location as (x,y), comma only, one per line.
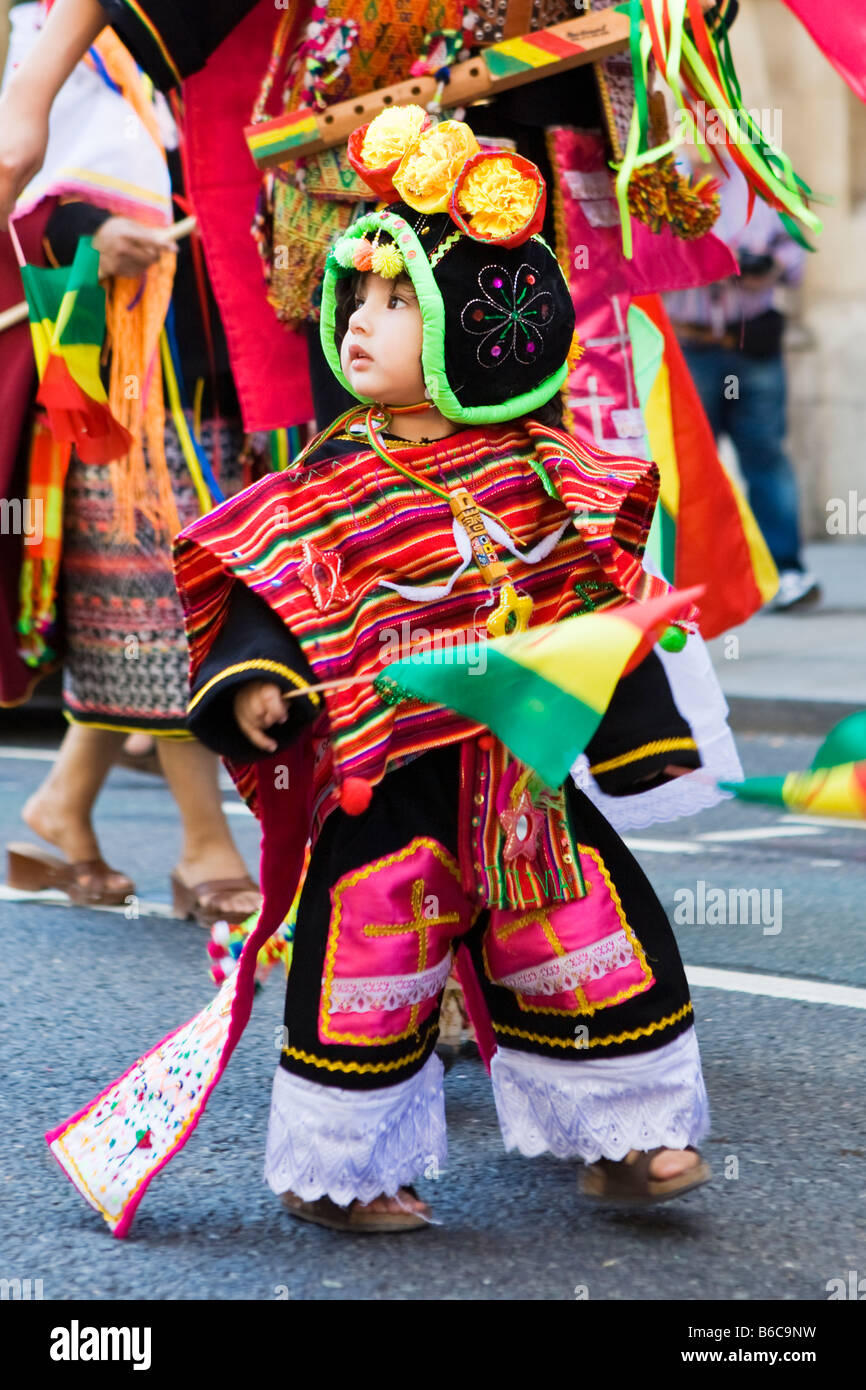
(85,992)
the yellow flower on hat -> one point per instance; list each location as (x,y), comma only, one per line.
(391,134)
(427,171)
(497,197)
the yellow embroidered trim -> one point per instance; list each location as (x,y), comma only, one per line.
(349,881)
(275,666)
(182,734)
(360,1066)
(646,750)
(631,1036)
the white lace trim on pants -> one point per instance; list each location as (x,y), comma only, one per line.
(601,1108)
(323,1141)
(574,969)
(363,994)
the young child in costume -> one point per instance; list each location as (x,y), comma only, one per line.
(448,317)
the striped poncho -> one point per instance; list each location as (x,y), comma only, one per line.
(359,562)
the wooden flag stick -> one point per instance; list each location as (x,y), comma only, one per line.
(178,230)
(342,684)
(18,312)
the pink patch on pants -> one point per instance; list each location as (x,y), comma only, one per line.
(389,944)
(572,957)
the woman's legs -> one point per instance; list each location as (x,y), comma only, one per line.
(209,852)
(60,810)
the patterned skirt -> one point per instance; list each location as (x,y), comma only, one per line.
(126,658)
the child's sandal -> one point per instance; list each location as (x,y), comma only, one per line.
(632,1184)
(354,1218)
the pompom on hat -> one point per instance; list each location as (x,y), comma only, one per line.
(496,310)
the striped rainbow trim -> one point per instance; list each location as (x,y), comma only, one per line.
(147,23)
(530,51)
(283,135)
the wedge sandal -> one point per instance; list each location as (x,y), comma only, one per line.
(631,1184)
(87,883)
(211,902)
(355,1219)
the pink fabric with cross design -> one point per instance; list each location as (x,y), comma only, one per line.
(389,944)
(573,957)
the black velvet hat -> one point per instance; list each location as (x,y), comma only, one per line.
(497,313)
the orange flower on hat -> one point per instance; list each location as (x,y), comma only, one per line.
(499,197)
(428,171)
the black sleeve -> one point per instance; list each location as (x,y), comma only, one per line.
(252,645)
(67,223)
(642,731)
(171,39)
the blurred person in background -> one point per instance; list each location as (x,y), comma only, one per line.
(110,608)
(731,335)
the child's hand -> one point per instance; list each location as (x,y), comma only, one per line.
(257,706)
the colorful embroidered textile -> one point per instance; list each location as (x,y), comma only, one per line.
(543,692)
(112,1148)
(516,828)
(126,659)
(303,228)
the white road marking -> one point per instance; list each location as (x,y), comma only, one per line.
(35,755)
(662,846)
(698,976)
(776,986)
(760,832)
(144,907)
(835,822)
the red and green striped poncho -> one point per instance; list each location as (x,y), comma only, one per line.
(363,565)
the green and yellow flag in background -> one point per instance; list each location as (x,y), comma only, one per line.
(67,324)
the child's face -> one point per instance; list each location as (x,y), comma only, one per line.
(381,352)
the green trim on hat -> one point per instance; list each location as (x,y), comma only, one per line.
(432,308)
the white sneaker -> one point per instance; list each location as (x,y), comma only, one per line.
(796,587)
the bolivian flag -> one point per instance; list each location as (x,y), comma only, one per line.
(704,531)
(67,324)
(542,692)
(835,784)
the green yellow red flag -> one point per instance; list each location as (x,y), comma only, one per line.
(835,784)
(542,692)
(67,325)
(704,531)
